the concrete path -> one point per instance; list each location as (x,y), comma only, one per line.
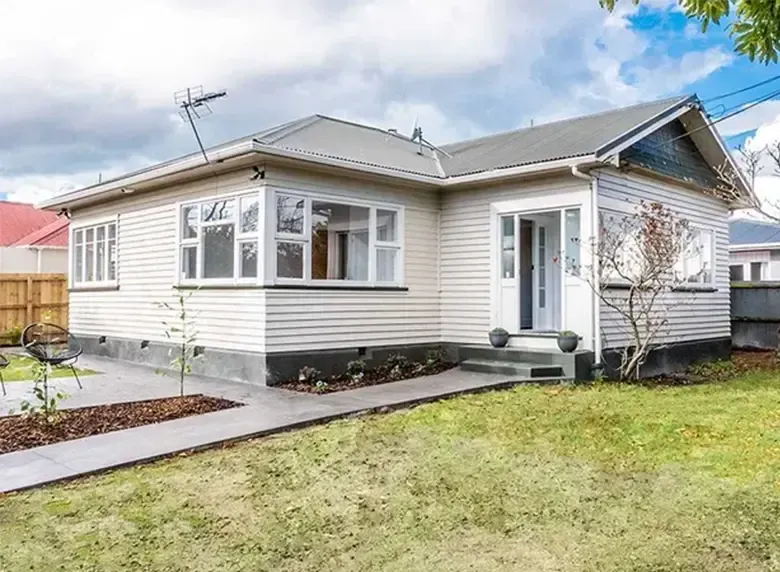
(268,410)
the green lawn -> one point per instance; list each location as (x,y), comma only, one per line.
(588,478)
(22,368)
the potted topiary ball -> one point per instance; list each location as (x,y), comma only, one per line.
(567,341)
(499,337)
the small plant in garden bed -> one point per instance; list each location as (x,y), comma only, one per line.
(18,432)
(358,374)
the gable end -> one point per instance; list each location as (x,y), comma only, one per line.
(680,159)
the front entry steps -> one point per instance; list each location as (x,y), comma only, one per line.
(525,364)
(514,368)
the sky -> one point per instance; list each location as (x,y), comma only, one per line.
(88,87)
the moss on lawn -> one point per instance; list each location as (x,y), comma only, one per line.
(585,478)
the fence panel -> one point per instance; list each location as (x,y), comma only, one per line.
(28,298)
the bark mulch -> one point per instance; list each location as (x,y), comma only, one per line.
(23,432)
(385,373)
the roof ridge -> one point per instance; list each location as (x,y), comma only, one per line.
(569,119)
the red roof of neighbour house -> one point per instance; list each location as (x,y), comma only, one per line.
(18,220)
(53,234)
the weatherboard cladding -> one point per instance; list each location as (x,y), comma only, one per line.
(668,151)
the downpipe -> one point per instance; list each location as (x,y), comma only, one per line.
(593,184)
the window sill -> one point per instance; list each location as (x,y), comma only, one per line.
(104,287)
(322,287)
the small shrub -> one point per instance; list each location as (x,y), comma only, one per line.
(321,386)
(713,370)
(399,361)
(13,334)
(356,369)
(47,407)
(435,358)
(308,374)
(499,331)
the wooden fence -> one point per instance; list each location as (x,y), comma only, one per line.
(28,298)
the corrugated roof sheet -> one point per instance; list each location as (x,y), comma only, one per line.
(17,220)
(742,231)
(547,142)
(53,234)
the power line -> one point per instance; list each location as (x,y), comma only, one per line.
(743,90)
(723,118)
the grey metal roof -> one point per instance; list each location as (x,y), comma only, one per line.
(568,138)
(742,231)
(324,136)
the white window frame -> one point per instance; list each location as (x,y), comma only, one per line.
(82,228)
(239,238)
(398,245)
(682,265)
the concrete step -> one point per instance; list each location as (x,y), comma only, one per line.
(514,368)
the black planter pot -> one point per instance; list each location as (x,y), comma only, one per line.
(568,344)
(498,339)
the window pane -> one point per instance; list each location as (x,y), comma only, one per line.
(78,263)
(217,210)
(249,212)
(79,237)
(189,222)
(386,226)
(573,241)
(289,214)
(508,247)
(189,262)
(737,273)
(386,264)
(100,258)
(339,248)
(289,259)
(218,245)
(249,259)
(89,261)
(755,272)
(112,230)
(90,234)
(111,258)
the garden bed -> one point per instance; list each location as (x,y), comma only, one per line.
(19,432)
(396,368)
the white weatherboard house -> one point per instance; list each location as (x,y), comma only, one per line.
(320,240)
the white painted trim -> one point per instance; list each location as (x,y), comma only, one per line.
(238,237)
(308,196)
(83,226)
(750,247)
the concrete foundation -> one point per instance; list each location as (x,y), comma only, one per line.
(672,358)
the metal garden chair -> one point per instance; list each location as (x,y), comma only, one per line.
(53,345)
(3,364)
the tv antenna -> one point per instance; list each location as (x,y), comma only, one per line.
(194,105)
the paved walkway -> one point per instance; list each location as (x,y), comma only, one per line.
(268,410)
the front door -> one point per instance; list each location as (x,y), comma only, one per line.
(542,294)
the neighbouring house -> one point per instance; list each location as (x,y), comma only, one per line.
(32,240)
(754,251)
(320,241)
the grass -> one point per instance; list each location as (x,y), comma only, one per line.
(22,368)
(606,477)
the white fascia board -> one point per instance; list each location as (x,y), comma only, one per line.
(530,169)
(166,169)
(746,247)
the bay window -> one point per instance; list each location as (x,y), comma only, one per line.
(94,254)
(219,239)
(336,240)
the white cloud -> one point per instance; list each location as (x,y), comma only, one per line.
(385,62)
(764,114)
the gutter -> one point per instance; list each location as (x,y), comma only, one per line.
(593,183)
